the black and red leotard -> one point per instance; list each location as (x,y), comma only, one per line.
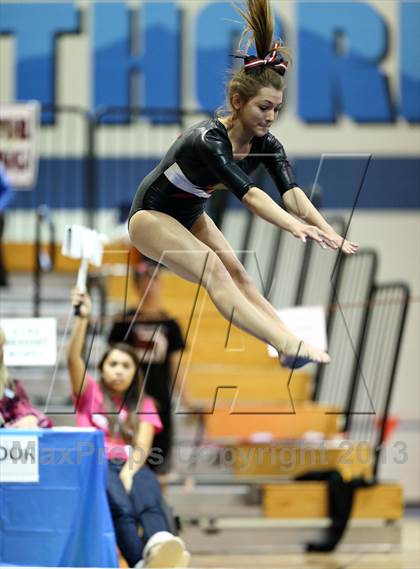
(200,159)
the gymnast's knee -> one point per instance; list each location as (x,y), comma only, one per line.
(241,278)
(216,273)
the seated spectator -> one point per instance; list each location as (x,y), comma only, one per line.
(16,410)
(129,420)
(158,341)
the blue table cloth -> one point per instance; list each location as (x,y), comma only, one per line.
(64,520)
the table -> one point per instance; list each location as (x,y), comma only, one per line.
(64,520)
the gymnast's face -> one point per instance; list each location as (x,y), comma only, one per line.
(118,371)
(258,113)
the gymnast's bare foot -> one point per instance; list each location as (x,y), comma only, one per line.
(297,353)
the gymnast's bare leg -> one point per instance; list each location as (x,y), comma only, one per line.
(207,231)
(164,239)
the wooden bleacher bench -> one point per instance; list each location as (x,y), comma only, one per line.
(278,421)
(309,500)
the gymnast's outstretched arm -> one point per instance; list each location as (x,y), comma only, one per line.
(297,203)
(261,204)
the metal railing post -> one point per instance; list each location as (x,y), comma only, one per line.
(90,171)
(43,262)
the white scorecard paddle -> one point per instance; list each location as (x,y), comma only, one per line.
(87,245)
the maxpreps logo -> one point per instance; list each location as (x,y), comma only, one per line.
(142,46)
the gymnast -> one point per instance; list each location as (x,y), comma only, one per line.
(167,221)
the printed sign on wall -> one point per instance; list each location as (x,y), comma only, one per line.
(30,341)
(19,143)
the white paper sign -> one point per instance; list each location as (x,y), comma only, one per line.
(30,341)
(307,323)
(19,143)
(19,458)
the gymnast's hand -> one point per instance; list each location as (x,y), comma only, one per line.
(335,241)
(304,232)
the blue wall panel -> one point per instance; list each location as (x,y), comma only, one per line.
(389,184)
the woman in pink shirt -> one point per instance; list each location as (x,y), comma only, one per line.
(116,406)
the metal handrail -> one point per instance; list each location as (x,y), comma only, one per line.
(333,314)
(307,258)
(385,415)
(387,382)
(44,261)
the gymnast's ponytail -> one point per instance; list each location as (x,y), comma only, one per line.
(259,25)
(268,67)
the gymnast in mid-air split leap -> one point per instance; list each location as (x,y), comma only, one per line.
(167,221)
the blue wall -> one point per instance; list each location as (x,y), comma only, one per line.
(389,183)
(332,80)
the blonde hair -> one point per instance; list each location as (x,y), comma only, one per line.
(259,28)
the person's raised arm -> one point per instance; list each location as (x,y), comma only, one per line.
(296,202)
(75,363)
